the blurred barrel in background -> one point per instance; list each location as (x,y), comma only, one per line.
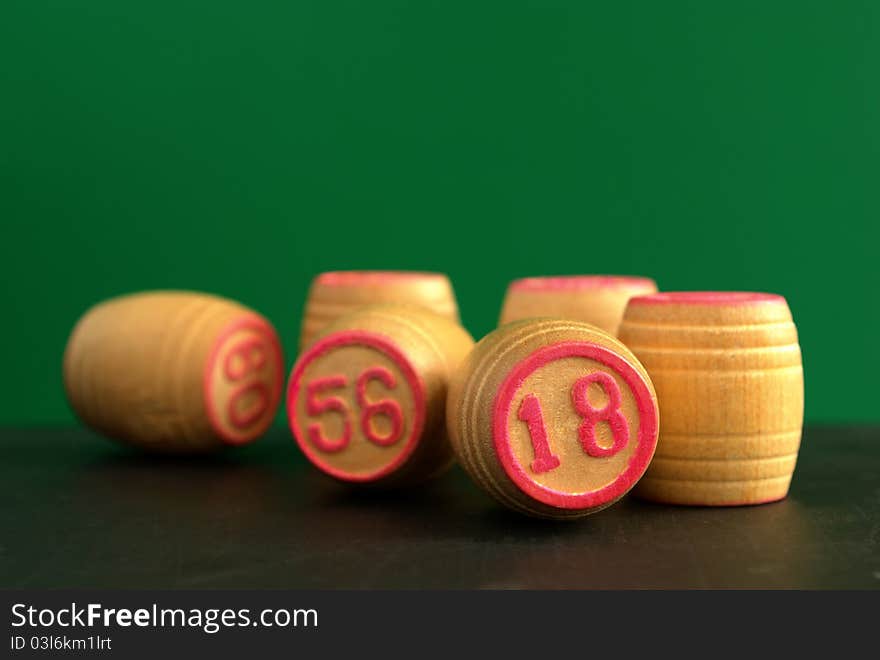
(336,294)
(596,299)
(174,371)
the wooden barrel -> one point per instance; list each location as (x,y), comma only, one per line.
(366,400)
(596,299)
(339,293)
(174,371)
(553,418)
(727,368)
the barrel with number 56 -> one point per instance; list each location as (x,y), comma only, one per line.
(174,371)
(554,418)
(366,400)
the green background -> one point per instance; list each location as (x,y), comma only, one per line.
(241,147)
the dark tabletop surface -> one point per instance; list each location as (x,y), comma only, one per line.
(79,511)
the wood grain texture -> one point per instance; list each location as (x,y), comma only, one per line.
(336,294)
(538,363)
(728,373)
(595,299)
(174,371)
(405,357)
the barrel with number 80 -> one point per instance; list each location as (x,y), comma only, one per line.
(553,418)
(174,371)
(366,400)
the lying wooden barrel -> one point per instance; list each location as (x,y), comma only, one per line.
(174,371)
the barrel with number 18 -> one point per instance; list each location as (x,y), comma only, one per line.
(553,418)
(366,400)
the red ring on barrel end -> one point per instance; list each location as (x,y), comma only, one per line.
(647,435)
(729,298)
(374,277)
(390,350)
(576,282)
(267,334)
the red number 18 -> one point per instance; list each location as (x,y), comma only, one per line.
(531,413)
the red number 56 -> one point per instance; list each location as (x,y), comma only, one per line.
(316,404)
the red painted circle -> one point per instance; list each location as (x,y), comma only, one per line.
(268,341)
(647,437)
(388,349)
(575,282)
(706,298)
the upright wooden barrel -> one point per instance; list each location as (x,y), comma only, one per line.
(596,299)
(553,418)
(366,400)
(729,380)
(336,294)
(174,371)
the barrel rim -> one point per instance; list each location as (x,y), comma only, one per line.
(708,298)
(369,277)
(576,282)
